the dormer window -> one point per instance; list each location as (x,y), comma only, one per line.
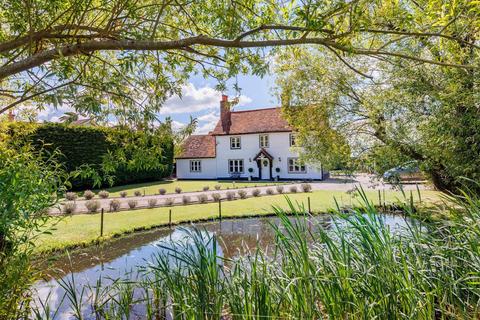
(292,139)
(235,143)
(263,140)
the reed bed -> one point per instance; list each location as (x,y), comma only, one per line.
(358,269)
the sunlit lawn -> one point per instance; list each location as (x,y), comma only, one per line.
(85,228)
(150,188)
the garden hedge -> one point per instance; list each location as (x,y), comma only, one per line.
(80,145)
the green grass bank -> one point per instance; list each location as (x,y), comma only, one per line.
(84,229)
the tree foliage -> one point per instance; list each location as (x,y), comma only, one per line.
(123,58)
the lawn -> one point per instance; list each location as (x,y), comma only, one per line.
(151,188)
(84,229)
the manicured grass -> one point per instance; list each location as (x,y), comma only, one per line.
(151,188)
(84,229)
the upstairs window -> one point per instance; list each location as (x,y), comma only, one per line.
(235,166)
(195,166)
(263,140)
(296,166)
(292,139)
(235,143)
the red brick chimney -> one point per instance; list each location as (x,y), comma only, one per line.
(225,115)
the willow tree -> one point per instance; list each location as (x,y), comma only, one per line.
(422,112)
(125,57)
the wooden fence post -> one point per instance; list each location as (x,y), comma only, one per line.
(309,207)
(101,223)
(379,198)
(220,209)
(170,218)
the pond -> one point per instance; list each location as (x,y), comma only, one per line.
(117,258)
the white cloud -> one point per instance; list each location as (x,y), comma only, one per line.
(177,125)
(196,99)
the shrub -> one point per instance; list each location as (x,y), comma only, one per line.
(162,191)
(169,201)
(186,199)
(216,196)
(269,191)
(279,189)
(103,194)
(230,195)
(92,205)
(206,188)
(152,202)
(69,207)
(132,203)
(306,187)
(88,195)
(218,187)
(178,190)
(242,194)
(137,193)
(115,205)
(255,192)
(123,194)
(293,189)
(71,196)
(202,198)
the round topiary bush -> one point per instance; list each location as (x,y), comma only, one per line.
(185,199)
(137,193)
(242,194)
(71,196)
(293,189)
(69,207)
(270,191)
(152,203)
(103,194)
(115,205)
(218,187)
(132,204)
(169,201)
(123,194)
(216,196)
(306,187)
(92,205)
(206,188)
(202,198)
(88,194)
(178,190)
(279,189)
(162,191)
(230,195)
(256,192)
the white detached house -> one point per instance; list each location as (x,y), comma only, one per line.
(254,143)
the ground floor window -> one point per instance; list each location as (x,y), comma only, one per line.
(235,166)
(195,165)
(296,166)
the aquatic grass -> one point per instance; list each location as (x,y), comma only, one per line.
(354,268)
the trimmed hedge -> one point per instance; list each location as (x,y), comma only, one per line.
(89,145)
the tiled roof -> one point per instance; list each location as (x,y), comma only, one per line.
(255,121)
(198,146)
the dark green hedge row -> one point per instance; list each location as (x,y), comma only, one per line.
(89,145)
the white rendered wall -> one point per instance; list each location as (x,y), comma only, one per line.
(279,148)
(208,165)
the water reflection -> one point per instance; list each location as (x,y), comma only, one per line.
(121,258)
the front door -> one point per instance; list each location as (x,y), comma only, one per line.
(265,163)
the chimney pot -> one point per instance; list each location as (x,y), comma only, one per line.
(224,97)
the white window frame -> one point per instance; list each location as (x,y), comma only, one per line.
(292,138)
(235,143)
(195,165)
(296,166)
(238,166)
(264,140)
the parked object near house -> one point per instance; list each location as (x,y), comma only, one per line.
(405,173)
(254,143)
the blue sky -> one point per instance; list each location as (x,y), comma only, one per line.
(201,100)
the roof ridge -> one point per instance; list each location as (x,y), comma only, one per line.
(253,110)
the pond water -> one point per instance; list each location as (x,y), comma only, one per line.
(122,256)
